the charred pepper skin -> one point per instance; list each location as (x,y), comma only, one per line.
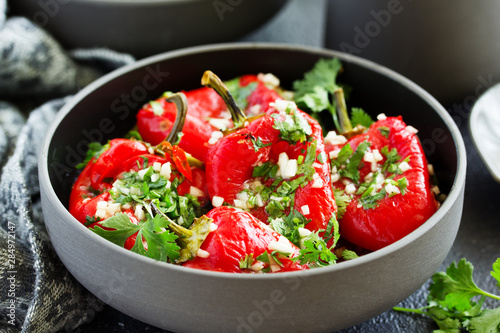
(394,217)
(238,235)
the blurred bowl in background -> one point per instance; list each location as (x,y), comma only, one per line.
(146,27)
(450,48)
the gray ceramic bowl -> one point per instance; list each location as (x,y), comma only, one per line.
(183,299)
(146,27)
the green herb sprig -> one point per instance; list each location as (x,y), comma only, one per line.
(455,302)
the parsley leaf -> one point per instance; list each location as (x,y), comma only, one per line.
(315,252)
(239,93)
(360,117)
(450,301)
(160,242)
(351,169)
(323,75)
(94,150)
(496,272)
(293,128)
(122,227)
(342,200)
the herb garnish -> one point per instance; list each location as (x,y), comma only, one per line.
(94,150)
(451,304)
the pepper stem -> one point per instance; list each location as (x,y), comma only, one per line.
(211,80)
(180,101)
(341,108)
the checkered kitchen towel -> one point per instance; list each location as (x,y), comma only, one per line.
(37,76)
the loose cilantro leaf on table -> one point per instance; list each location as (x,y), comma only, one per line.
(455,301)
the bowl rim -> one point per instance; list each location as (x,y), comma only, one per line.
(452,196)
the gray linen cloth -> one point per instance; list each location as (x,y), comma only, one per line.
(37,77)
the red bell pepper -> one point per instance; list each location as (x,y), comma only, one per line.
(207,113)
(389,191)
(243,244)
(275,167)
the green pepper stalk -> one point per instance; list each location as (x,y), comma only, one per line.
(190,239)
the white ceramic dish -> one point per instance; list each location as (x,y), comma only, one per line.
(484,125)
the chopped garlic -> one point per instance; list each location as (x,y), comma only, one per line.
(281,105)
(305,210)
(334,154)
(157,166)
(102,205)
(166,170)
(215,136)
(350,189)
(317,181)
(240,204)
(202,253)
(139,213)
(101,213)
(196,192)
(282,245)
(411,129)
(269,79)
(217,201)
(392,189)
(113,208)
(334,139)
(404,166)
(155,177)
(220,123)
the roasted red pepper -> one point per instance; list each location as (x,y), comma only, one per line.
(85,198)
(275,167)
(207,113)
(243,244)
(389,190)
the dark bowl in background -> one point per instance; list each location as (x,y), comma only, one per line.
(182,299)
(146,27)
(450,48)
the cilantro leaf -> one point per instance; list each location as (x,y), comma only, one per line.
(450,301)
(360,117)
(342,200)
(352,167)
(323,74)
(455,287)
(122,227)
(487,321)
(316,100)
(239,93)
(315,252)
(496,271)
(160,242)
(94,150)
(294,128)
